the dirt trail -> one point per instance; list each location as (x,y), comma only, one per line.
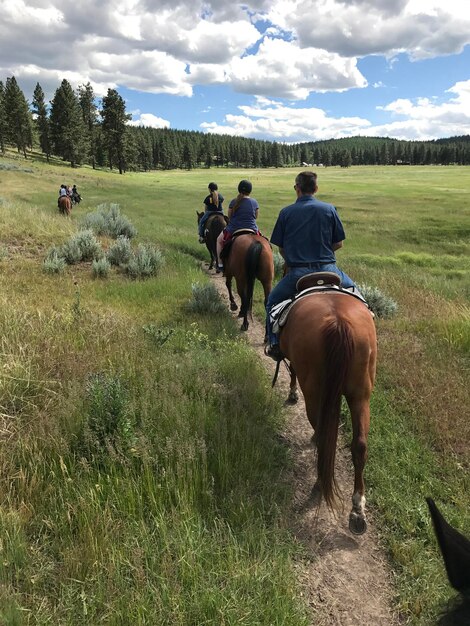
(345,579)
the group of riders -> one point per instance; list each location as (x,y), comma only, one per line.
(69,192)
(308,232)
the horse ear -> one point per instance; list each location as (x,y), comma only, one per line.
(455,550)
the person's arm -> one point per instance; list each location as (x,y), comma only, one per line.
(337,245)
(256,214)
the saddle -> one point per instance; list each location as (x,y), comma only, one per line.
(310,284)
(228,245)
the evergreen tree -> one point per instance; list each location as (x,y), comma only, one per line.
(86,98)
(276,155)
(114,127)
(66,124)
(189,155)
(18,120)
(3,122)
(42,121)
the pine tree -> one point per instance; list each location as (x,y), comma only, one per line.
(114,127)
(42,120)
(86,98)
(19,123)
(3,123)
(66,123)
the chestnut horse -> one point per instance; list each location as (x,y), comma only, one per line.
(330,340)
(65,205)
(249,257)
(212,228)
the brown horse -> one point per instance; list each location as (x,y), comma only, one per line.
(249,257)
(212,229)
(65,205)
(330,340)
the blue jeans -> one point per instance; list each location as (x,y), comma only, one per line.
(285,289)
(203,220)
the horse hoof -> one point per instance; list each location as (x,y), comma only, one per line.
(292,398)
(357,523)
(233,306)
(244,327)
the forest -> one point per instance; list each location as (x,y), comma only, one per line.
(80,128)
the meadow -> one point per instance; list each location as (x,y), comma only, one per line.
(142,478)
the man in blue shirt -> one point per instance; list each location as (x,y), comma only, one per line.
(308,233)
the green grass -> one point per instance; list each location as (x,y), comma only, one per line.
(178,514)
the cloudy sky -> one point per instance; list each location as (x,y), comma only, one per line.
(284,70)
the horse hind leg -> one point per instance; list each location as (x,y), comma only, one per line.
(360,415)
(228,284)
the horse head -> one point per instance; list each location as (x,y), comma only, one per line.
(455,550)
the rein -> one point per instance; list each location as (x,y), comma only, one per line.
(276,372)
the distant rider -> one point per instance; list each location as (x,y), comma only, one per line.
(212,204)
(242,213)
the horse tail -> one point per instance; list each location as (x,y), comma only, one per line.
(338,345)
(251,266)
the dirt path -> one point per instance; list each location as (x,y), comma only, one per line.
(345,578)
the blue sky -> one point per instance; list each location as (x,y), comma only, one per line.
(284,70)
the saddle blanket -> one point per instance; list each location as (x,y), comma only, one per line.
(279,312)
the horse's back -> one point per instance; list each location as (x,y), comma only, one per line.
(316,320)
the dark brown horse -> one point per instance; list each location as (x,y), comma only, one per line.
(250,257)
(65,205)
(212,229)
(455,549)
(330,340)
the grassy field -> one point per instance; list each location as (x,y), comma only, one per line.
(177,513)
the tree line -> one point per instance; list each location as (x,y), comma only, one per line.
(81,129)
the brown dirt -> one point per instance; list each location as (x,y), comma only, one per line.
(345,579)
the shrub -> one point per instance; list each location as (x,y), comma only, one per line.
(89,245)
(206,299)
(107,428)
(278,264)
(108,220)
(54,263)
(71,252)
(100,268)
(146,261)
(120,253)
(380,304)
(83,246)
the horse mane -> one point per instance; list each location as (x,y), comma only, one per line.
(338,346)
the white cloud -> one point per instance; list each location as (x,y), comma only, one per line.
(424,119)
(272,120)
(272,48)
(281,69)
(150,120)
(361,27)
(170,46)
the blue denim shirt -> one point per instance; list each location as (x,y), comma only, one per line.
(307,230)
